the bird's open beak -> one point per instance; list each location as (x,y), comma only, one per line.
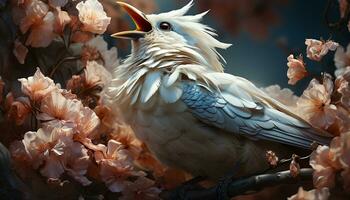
(142,24)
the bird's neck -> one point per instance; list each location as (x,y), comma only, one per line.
(181,60)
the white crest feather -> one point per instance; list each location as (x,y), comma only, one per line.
(180,12)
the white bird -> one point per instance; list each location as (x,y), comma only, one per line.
(174,94)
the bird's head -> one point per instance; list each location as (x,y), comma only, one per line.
(175,33)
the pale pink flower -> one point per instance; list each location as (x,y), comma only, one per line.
(19,153)
(35,12)
(75,161)
(324,174)
(294,167)
(342,60)
(97,49)
(340,157)
(87,121)
(340,149)
(75,82)
(41,35)
(116,166)
(316,49)
(296,69)
(316,194)
(127,138)
(285,95)
(56,151)
(343,88)
(141,189)
(272,159)
(343,122)
(56,109)
(37,86)
(20,110)
(92,16)
(96,74)
(45,146)
(20,51)
(61,20)
(41,22)
(315,103)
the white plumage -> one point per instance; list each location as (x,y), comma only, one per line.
(174,94)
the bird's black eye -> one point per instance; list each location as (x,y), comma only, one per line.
(165,26)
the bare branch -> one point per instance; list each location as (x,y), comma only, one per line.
(229,188)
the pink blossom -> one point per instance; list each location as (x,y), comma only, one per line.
(76,161)
(116,166)
(55,151)
(61,20)
(37,86)
(35,12)
(56,109)
(42,34)
(327,161)
(41,22)
(296,69)
(20,51)
(340,155)
(128,139)
(324,174)
(342,60)
(97,49)
(96,74)
(20,110)
(294,167)
(316,49)
(285,95)
(343,88)
(45,146)
(316,194)
(87,121)
(93,17)
(272,159)
(315,103)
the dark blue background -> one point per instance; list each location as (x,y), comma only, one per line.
(263,61)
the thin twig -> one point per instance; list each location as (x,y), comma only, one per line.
(54,69)
(242,186)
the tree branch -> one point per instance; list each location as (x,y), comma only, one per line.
(230,188)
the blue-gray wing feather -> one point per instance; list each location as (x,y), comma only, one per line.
(248,118)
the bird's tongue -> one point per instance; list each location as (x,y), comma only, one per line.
(142,24)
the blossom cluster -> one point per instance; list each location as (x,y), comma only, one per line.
(325,104)
(68,141)
(74,134)
(45,21)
